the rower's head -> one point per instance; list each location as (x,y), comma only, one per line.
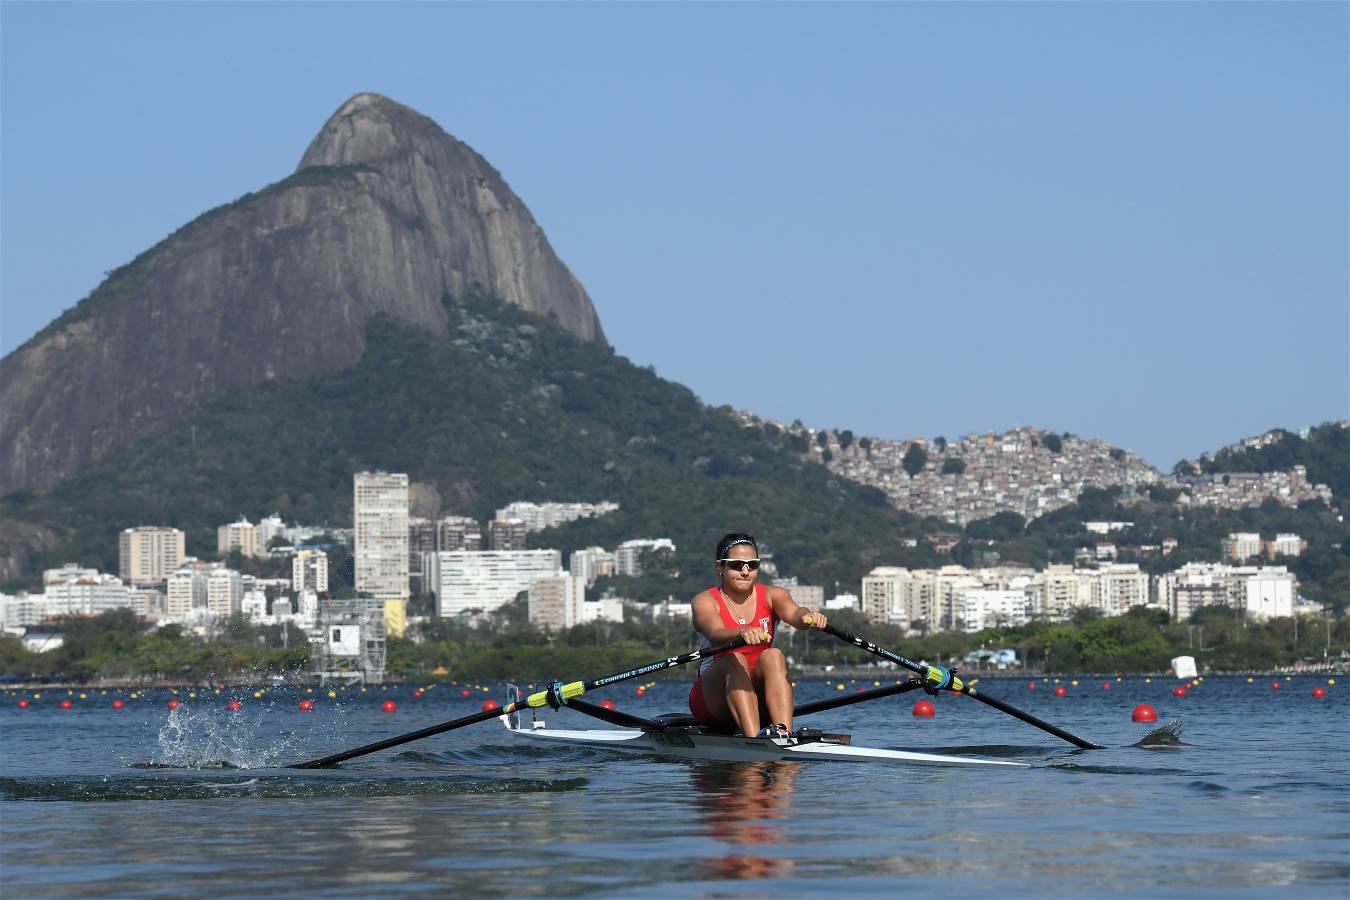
(738,560)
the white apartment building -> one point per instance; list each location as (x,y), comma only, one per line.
(1241,545)
(268,528)
(990,607)
(148,553)
(87,596)
(1116,588)
(1286,545)
(1062,591)
(591,563)
(380,503)
(1182,591)
(185,591)
(464,580)
(309,571)
(1269,594)
(224,592)
(883,595)
(628,556)
(538,516)
(253,605)
(242,536)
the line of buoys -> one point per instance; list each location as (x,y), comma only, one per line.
(1144,713)
(924,710)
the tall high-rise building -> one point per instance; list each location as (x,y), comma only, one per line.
(381,517)
(506,534)
(628,556)
(421,541)
(149,554)
(309,571)
(591,563)
(458,533)
(224,592)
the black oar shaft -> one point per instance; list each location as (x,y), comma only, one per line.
(560,693)
(961,687)
(807,709)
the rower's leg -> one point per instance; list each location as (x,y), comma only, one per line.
(742,698)
(771,677)
(726,686)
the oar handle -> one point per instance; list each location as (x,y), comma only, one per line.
(941,678)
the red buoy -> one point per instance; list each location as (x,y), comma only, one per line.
(1275,685)
(464,693)
(609,704)
(418,693)
(924,709)
(1061,691)
(490,704)
(118,704)
(66,704)
(639,692)
(307,705)
(1319,692)
(1106,685)
(23,704)
(389,706)
(234,705)
(1178,692)
(174,704)
(1031,685)
(1144,713)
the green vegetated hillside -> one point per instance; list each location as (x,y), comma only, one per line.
(509,407)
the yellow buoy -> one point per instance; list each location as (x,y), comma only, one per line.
(332,695)
(257,695)
(1331,681)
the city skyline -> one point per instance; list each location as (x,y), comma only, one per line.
(1042,235)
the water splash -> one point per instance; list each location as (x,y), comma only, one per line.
(203,739)
(1165,738)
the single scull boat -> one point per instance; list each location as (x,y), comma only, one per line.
(679,736)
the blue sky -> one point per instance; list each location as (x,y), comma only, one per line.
(1128,221)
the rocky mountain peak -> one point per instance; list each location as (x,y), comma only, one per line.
(368,128)
(387,213)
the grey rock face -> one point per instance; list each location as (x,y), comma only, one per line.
(386,213)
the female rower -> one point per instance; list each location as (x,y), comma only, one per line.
(746,687)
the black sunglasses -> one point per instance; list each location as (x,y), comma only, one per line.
(741,564)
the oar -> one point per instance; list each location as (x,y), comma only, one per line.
(555,695)
(940,678)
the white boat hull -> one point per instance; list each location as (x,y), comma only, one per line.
(687,744)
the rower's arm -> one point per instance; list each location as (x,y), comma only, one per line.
(790,612)
(709,621)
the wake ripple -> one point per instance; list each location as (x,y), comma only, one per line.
(94,790)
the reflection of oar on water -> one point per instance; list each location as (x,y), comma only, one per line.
(940,678)
(556,695)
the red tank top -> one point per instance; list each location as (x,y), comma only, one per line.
(764,618)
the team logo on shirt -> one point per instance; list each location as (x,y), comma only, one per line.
(764,624)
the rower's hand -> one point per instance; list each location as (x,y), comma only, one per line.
(753,636)
(814,619)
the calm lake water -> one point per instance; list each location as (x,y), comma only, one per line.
(1257,805)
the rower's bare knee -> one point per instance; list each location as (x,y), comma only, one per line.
(772,662)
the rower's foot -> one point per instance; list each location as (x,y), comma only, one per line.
(778,730)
